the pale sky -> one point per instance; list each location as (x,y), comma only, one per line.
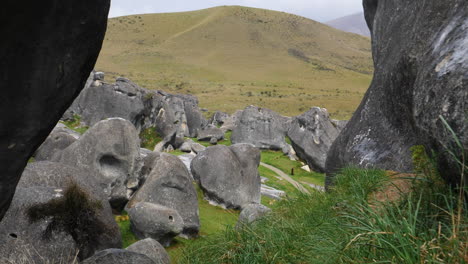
(320,10)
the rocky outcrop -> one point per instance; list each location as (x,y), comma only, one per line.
(421,66)
(155,221)
(124,99)
(228,175)
(152,249)
(312,135)
(118,256)
(44,64)
(168,183)
(110,151)
(262,128)
(209,132)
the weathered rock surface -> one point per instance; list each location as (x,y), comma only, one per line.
(421,66)
(168,183)
(124,99)
(55,142)
(44,64)
(155,221)
(251,213)
(118,256)
(312,135)
(229,175)
(110,150)
(209,132)
(261,127)
(152,249)
(22,241)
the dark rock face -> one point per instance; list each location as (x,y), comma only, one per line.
(421,73)
(110,150)
(152,249)
(261,127)
(155,221)
(312,134)
(169,184)
(118,256)
(44,63)
(228,175)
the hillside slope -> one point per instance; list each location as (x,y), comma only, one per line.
(232,56)
(353,23)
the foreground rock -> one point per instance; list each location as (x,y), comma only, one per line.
(119,256)
(55,143)
(251,213)
(312,135)
(21,240)
(148,220)
(228,175)
(424,78)
(168,183)
(262,128)
(152,249)
(110,151)
(42,72)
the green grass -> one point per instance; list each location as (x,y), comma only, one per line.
(271,59)
(128,237)
(75,124)
(282,162)
(342,226)
(149,138)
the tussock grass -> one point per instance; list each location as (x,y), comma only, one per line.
(342,226)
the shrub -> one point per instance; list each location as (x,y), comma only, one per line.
(74,213)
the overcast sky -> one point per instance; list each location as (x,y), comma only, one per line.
(320,10)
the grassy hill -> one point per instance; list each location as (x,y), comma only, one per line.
(232,56)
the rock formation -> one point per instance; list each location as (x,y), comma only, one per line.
(312,134)
(152,249)
(229,175)
(261,127)
(421,65)
(50,50)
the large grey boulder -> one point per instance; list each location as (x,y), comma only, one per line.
(228,175)
(168,182)
(22,241)
(118,256)
(110,150)
(171,119)
(421,73)
(124,99)
(55,142)
(312,134)
(152,249)
(251,213)
(209,132)
(195,120)
(261,127)
(155,221)
(44,64)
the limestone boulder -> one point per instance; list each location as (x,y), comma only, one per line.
(118,256)
(421,66)
(55,142)
(42,72)
(251,213)
(152,249)
(209,132)
(169,183)
(228,175)
(149,220)
(110,150)
(312,135)
(262,128)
